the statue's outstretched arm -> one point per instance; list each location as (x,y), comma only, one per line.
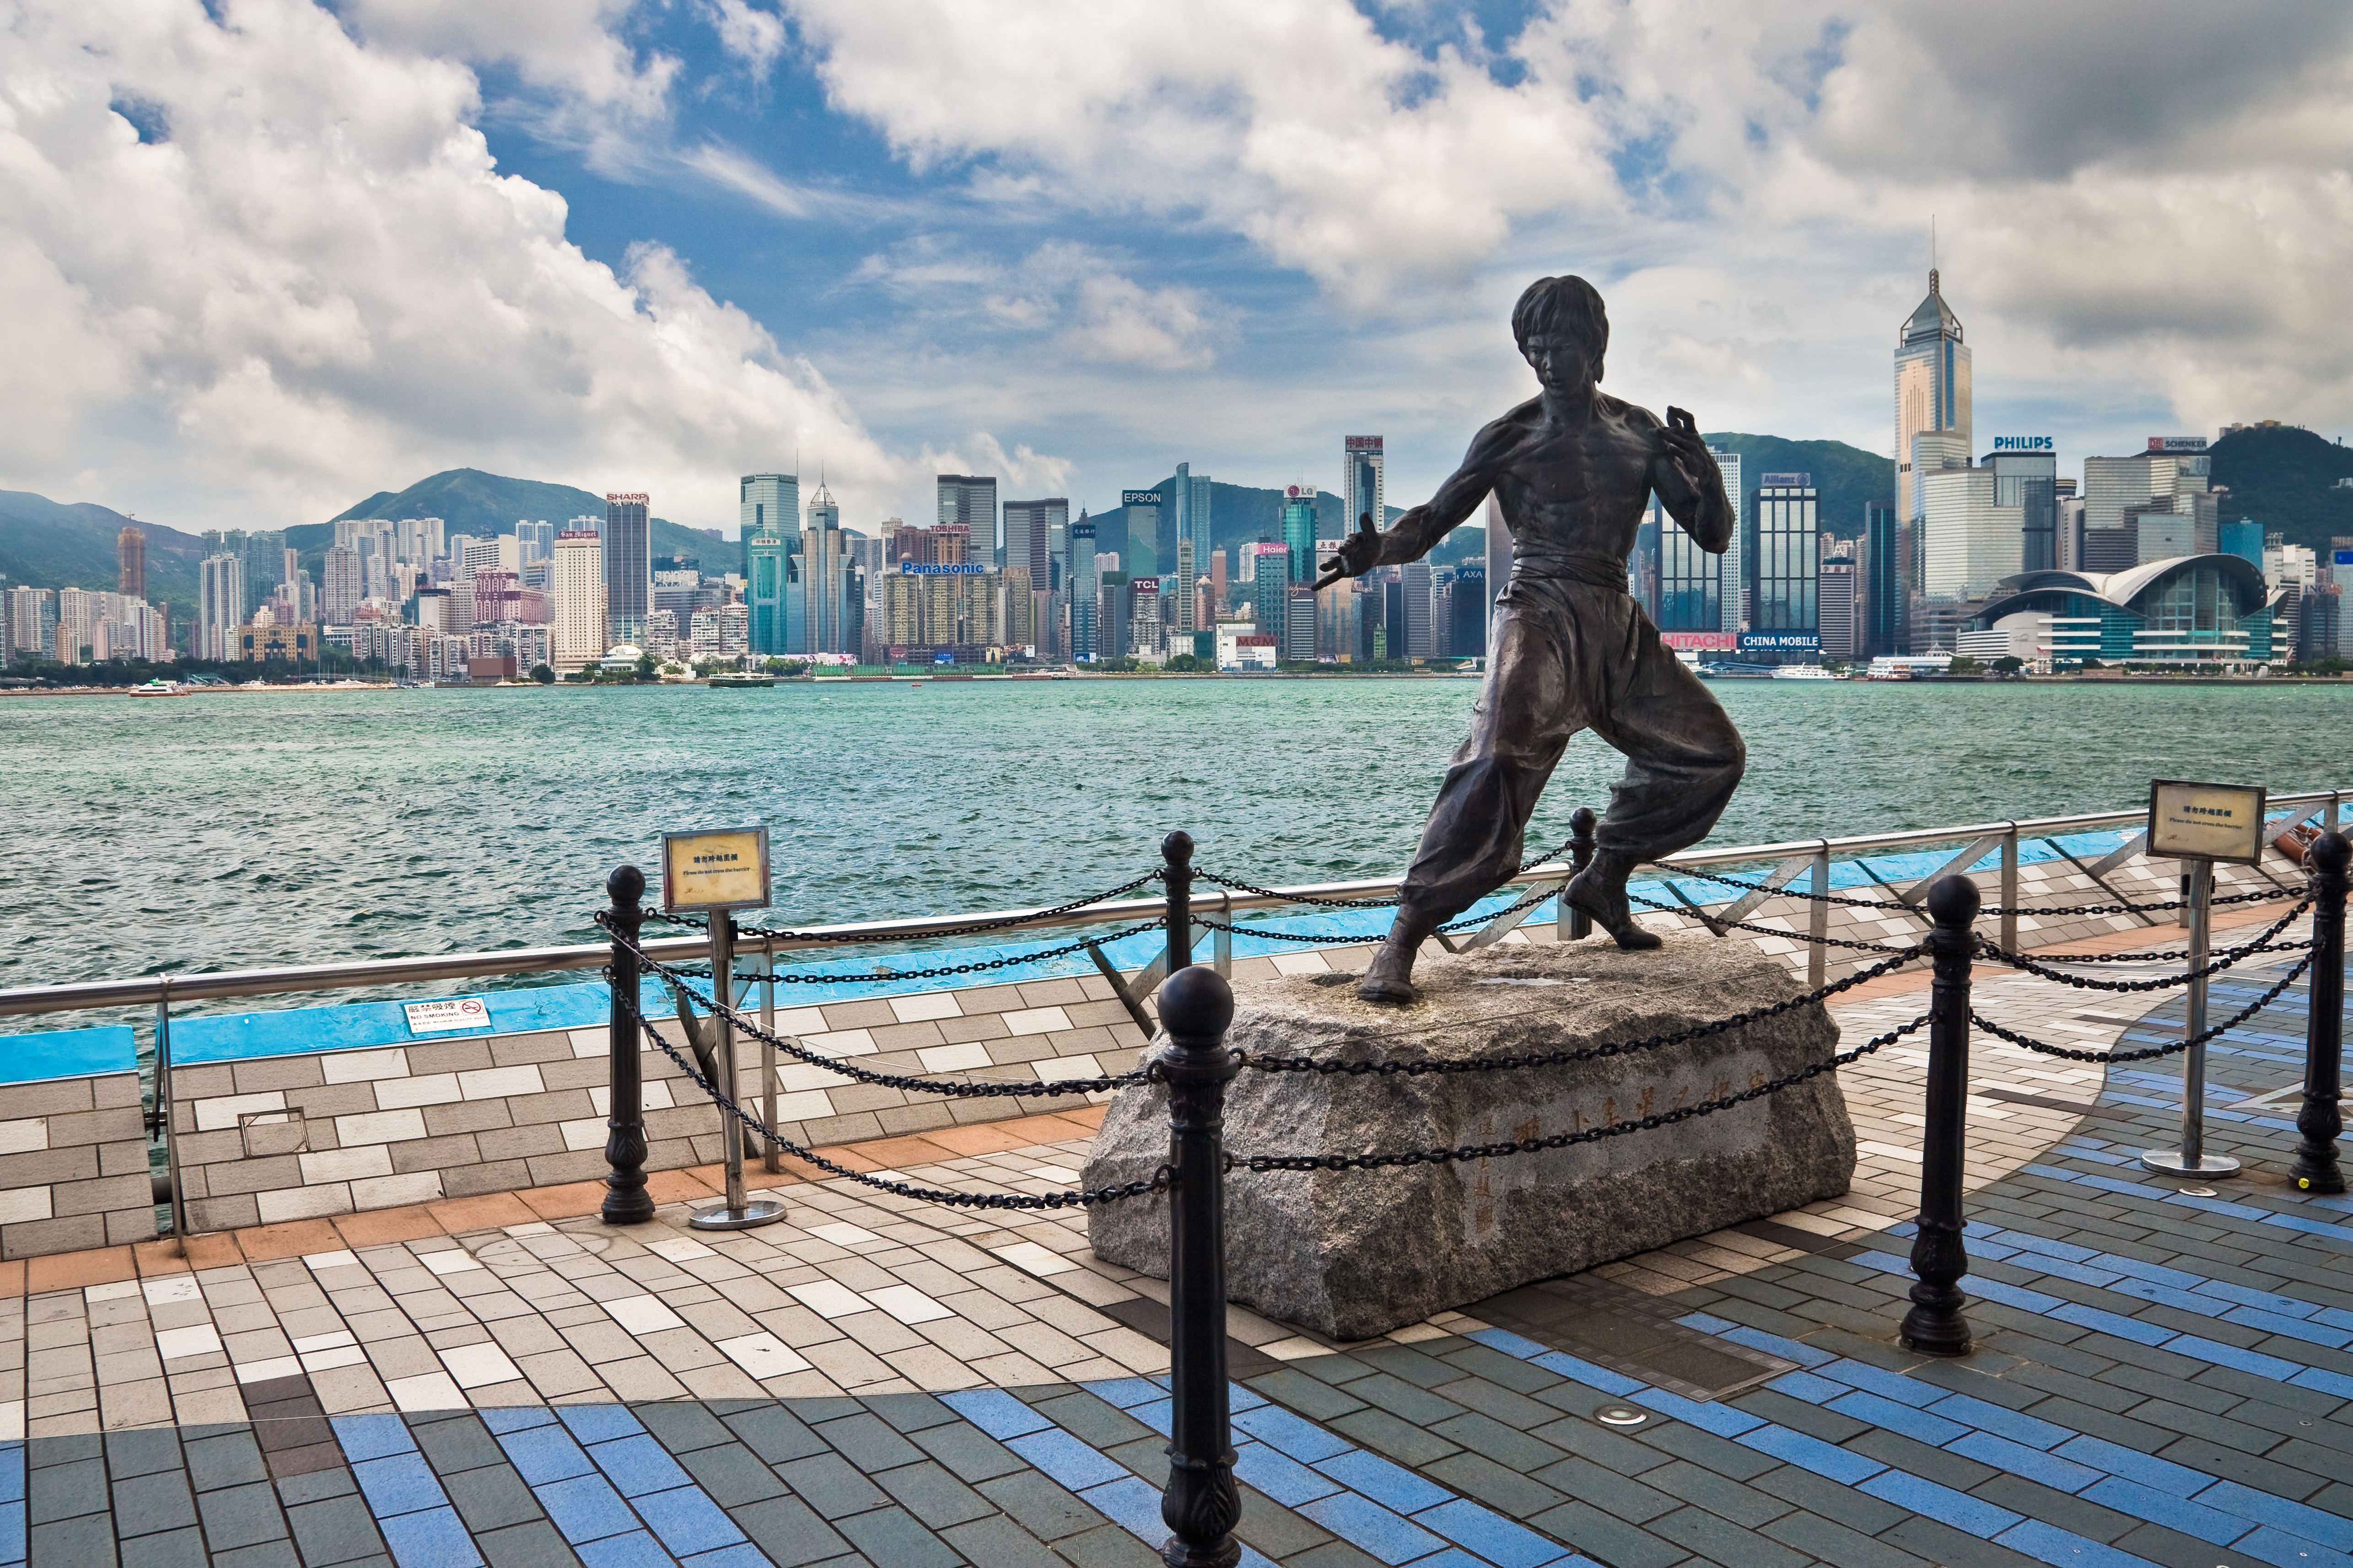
(1691,485)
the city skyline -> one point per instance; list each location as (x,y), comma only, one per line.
(898,238)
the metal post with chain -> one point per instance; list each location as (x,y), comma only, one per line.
(2320,1120)
(1201,1503)
(626,1202)
(1935,1325)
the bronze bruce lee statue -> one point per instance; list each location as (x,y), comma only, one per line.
(1572,469)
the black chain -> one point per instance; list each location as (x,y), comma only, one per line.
(1468,923)
(1768,931)
(1031,916)
(1566,1140)
(2261,944)
(2042,1047)
(954,1088)
(1419,1066)
(1160,1181)
(2257,897)
(1238,886)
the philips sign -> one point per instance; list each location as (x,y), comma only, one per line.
(2023,444)
(922,568)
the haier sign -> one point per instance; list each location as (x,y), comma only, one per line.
(2023,444)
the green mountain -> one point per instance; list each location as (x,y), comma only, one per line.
(472,502)
(52,544)
(1848,476)
(2285,479)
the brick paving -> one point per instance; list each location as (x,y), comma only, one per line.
(2161,1377)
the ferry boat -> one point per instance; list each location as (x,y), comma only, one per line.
(159,688)
(735,682)
(1802,672)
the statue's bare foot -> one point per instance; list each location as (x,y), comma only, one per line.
(1388,979)
(1600,891)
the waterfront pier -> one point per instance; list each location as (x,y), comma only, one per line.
(398,1325)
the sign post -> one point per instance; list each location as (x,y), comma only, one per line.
(716,873)
(2200,824)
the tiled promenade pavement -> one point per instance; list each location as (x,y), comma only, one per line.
(2161,1377)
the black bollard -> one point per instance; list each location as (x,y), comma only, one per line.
(1935,1325)
(626,1202)
(1177,876)
(1201,1504)
(2324,1031)
(1580,856)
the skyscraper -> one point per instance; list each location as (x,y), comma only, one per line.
(130,562)
(766,592)
(1270,575)
(1030,530)
(339,585)
(823,585)
(1885,583)
(768,504)
(1299,532)
(1078,586)
(1363,481)
(1932,388)
(1732,571)
(1192,504)
(971,499)
(2029,480)
(1151,525)
(1786,530)
(1691,581)
(629,565)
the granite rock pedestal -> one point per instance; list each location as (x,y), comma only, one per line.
(1351,1254)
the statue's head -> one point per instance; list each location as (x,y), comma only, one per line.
(1558,312)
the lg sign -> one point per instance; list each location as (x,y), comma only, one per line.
(2023,444)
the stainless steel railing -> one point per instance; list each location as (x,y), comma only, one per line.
(1794,856)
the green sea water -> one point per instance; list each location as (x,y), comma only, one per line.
(247,829)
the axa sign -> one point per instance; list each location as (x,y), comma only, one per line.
(2023,444)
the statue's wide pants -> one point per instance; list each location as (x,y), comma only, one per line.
(1565,657)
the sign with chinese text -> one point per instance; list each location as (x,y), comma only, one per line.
(447,1016)
(2205,822)
(726,868)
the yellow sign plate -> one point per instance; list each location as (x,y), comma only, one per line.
(727,869)
(2205,822)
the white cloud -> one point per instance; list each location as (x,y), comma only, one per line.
(1070,294)
(749,34)
(314,285)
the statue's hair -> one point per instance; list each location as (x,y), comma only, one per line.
(1562,304)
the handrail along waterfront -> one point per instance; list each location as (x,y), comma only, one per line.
(150,990)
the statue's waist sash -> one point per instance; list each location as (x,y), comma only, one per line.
(1593,571)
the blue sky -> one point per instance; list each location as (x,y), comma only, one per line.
(277,255)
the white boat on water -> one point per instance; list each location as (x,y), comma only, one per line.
(159,688)
(1802,672)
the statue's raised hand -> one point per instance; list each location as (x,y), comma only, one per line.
(1358,553)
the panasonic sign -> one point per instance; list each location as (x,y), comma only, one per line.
(923,569)
(2023,444)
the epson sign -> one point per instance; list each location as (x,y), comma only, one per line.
(1139,498)
(2023,444)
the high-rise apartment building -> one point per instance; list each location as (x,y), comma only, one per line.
(536,540)
(583,614)
(130,562)
(1270,577)
(1363,480)
(629,565)
(1299,532)
(1421,635)
(1836,592)
(339,587)
(971,499)
(1932,387)
(824,582)
(220,605)
(1786,533)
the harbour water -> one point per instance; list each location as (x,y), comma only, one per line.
(242,829)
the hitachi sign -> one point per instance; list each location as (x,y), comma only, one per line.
(2023,444)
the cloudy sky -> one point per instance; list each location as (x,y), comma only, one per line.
(260,258)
